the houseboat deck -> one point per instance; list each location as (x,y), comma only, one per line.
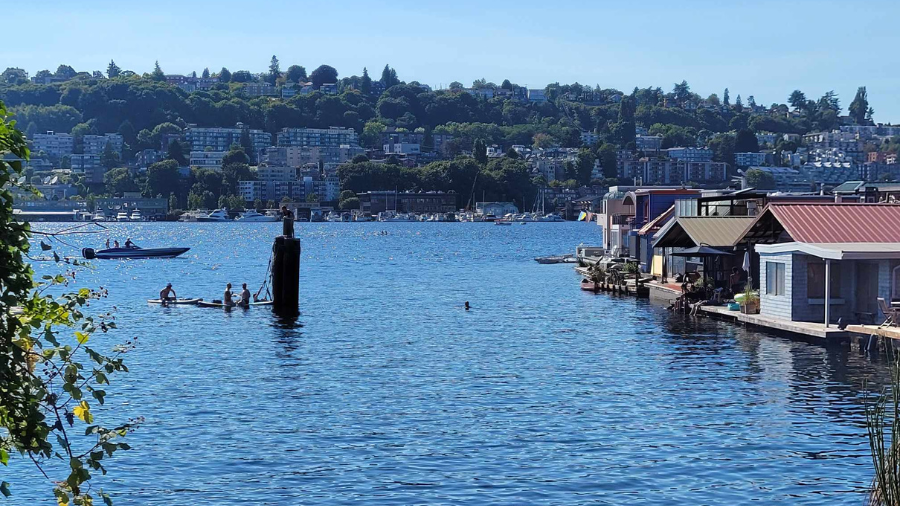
(804,328)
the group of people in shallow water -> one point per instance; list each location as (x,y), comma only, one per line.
(128,243)
(167,294)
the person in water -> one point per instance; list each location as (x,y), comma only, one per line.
(227,299)
(245,296)
(167,294)
(116,243)
(467,305)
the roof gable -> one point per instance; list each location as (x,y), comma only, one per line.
(826,223)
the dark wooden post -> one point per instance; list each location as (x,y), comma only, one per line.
(286,271)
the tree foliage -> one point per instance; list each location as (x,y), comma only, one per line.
(45,409)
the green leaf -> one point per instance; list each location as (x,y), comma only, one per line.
(99,394)
(82,337)
(107,500)
(4,489)
(4,456)
(55,257)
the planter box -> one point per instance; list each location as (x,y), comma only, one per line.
(751,307)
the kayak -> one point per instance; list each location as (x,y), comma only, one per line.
(114,253)
(173,302)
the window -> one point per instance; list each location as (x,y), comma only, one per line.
(895,283)
(774,278)
(815,280)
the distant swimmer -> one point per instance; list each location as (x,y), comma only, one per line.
(467,305)
(167,294)
(227,299)
(245,296)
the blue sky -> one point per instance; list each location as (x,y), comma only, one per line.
(763,48)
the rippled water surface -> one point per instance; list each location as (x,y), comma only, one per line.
(386,391)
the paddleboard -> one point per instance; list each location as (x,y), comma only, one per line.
(175,302)
(203,303)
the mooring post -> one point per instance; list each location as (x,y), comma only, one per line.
(286,271)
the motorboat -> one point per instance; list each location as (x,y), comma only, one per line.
(98,216)
(252,216)
(333,218)
(389,216)
(133,252)
(557,259)
(219,215)
(502,222)
(551,218)
(122,216)
(136,215)
(590,286)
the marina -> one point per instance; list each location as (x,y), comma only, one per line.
(580,371)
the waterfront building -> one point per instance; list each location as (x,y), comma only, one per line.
(497,209)
(150,208)
(275,191)
(207,159)
(672,171)
(375,202)
(648,204)
(816,263)
(749,159)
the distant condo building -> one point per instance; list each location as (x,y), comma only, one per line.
(648,142)
(207,159)
(55,145)
(749,159)
(329,137)
(221,139)
(673,171)
(690,154)
(96,144)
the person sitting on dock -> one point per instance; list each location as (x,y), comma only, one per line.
(227,299)
(245,296)
(167,294)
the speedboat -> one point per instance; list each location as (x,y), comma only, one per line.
(218,215)
(122,216)
(553,218)
(253,216)
(136,215)
(134,252)
(98,216)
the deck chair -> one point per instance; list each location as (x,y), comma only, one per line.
(890,313)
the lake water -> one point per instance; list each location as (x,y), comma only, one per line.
(386,391)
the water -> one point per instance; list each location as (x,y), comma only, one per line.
(386,391)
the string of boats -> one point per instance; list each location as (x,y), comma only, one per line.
(222,215)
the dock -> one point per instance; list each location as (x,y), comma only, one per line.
(817,330)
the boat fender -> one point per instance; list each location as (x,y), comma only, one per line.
(88,253)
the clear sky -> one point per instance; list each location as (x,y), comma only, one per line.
(761,48)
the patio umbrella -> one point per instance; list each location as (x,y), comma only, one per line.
(701,251)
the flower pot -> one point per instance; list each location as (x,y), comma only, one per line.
(750,307)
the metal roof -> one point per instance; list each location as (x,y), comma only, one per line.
(657,222)
(826,223)
(836,251)
(715,231)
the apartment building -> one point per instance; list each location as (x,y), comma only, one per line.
(276,173)
(207,159)
(749,159)
(221,139)
(648,142)
(272,190)
(690,154)
(55,145)
(669,171)
(328,137)
(89,165)
(96,144)
(537,96)
(252,90)
(589,138)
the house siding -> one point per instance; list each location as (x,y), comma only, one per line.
(778,306)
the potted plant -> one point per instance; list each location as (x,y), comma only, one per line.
(750,302)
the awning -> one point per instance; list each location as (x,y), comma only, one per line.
(715,231)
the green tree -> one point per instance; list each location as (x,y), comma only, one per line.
(13,76)
(157,74)
(113,70)
(746,142)
(609,161)
(235,155)
(310,198)
(479,151)
(109,158)
(682,92)
(119,181)
(65,72)
(859,108)
(46,386)
(365,83)
(162,178)
(726,98)
(295,74)
(371,134)
(389,77)
(760,179)
(233,173)
(274,70)
(324,74)
(797,100)
(205,74)
(224,75)
(584,165)
(173,202)
(176,153)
